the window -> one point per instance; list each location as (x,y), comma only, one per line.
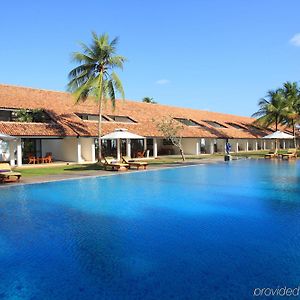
(5,115)
(214,124)
(188,122)
(236,126)
(252,127)
(91,117)
(122,119)
(24,115)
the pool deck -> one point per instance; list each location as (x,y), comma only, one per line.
(95,173)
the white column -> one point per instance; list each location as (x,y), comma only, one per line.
(79,158)
(128,148)
(198,149)
(19,153)
(145,144)
(93,149)
(246,146)
(12,153)
(264,145)
(211,146)
(118,149)
(154,147)
(255,145)
(237,147)
(283,142)
(272,145)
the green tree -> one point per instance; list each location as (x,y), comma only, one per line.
(171,130)
(31,115)
(271,109)
(291,94)
(94,76)
(149,100)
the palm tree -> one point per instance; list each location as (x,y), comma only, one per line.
(271,109)
(149,100)
(94,76)
(291,93)
(292,96)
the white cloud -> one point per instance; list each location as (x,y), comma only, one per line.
(162,81)
(295,40)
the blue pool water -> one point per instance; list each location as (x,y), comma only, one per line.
(205,232)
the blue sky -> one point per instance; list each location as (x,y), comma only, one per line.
(208,54)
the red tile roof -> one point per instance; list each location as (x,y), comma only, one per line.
(62,109)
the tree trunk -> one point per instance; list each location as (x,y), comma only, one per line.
(100,116)
(294,134)
(182,154)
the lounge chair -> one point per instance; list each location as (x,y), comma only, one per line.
(272,154)
(113,164)
(292,153)
(47,158)
(32,159)
(135,164)
(140,154)
(6,173)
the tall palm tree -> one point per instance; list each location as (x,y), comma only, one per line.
(292,97)
(94,76)
(291,93)
(271,109)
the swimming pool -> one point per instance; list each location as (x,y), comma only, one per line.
(203,232)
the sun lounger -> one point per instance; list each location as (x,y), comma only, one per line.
(292,153)
(113,164)
(272,154)
(6,173)
(135,164)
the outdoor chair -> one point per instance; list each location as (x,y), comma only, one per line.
(6,173)
(291,153)
(32,159)
(112,164)
(140,154)
(272,154)
(135,164)
(47,158)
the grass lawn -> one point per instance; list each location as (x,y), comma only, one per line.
(72,169)
(57,170)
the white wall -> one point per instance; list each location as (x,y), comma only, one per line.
(66,149)
(54,146)
(87,149)
(69,149)
(189,146)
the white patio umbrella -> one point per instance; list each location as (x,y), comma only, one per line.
(278,135)
(119,134)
